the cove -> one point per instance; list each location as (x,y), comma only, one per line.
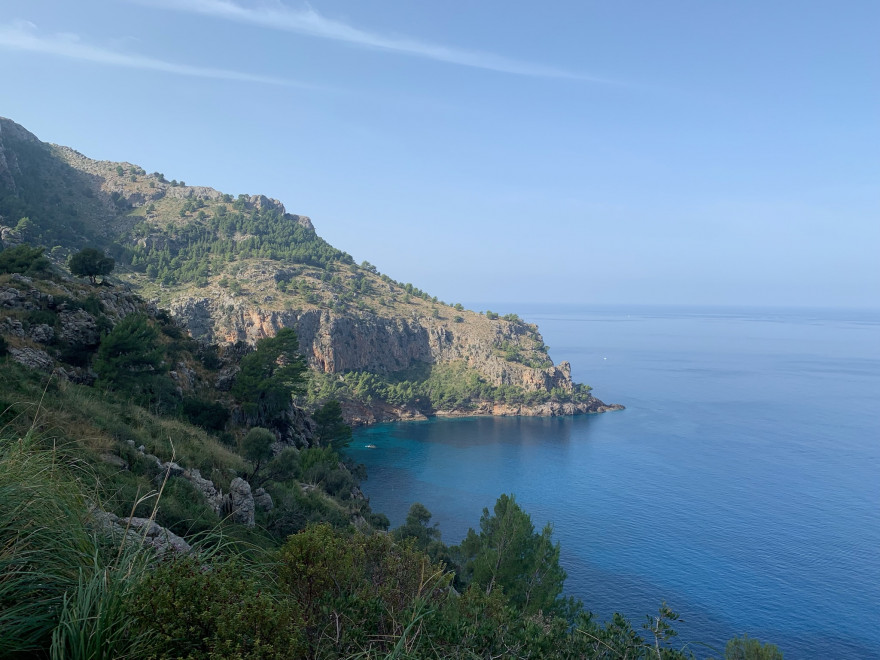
(740,485)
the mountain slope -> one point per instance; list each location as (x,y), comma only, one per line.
(239,269)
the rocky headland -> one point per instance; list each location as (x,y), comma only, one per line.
(234,270)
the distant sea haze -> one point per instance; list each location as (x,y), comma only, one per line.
(741,485)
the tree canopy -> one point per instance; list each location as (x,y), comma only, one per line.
(332,429)
(129,358)
(256,447)
(418,527)
(91,262)
(509,554)
(270,375)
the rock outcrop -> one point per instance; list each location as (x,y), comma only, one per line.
(140,530)
(242,502)
(213,496)
(33,358)
(262,500)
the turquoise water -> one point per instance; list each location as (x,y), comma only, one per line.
(741,485)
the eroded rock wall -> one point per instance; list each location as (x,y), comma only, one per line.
(335,343)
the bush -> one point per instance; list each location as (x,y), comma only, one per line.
(744,648)
(209,415)
(129,359)
(256,447)
(24,259)
(358,593)
(208,611)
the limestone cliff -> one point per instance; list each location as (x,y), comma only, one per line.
(365,341)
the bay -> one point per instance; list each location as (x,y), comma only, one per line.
(741,485)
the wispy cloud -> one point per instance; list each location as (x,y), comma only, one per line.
(277,16)
(23,36)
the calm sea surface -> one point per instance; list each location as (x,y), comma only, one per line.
(741,485)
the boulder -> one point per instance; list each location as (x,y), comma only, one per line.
(157,536)
(173,468)
(33,358)
(9,297)
(140,530)
(42,333)
(242,502)
(11,326)
(115,461)
(213,496)
(262,500)
(79,327)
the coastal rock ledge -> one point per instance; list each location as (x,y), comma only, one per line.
(358,414)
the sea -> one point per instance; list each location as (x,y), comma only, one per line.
(741,485)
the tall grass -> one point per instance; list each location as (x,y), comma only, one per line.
(93,622)
(44,542)
(63,584)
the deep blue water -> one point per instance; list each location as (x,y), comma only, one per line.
(741,485)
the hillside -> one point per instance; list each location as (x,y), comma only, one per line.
(162,496)
(239,269)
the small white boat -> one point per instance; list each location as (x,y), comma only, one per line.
(371,446)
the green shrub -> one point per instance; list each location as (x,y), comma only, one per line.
(331,429)
(211,611)
(210,415)
(24,259)
(357,593)
(744,648)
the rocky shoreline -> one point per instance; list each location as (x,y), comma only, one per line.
(357,414)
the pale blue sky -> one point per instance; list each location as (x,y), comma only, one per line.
(683,152)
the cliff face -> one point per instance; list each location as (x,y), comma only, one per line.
(362,341)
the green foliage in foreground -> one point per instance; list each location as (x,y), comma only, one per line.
(69,591)
(44,544)
(220,608)
(745,648)
(507,554)
(427,388)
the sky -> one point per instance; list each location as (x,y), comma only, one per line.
(685,152)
